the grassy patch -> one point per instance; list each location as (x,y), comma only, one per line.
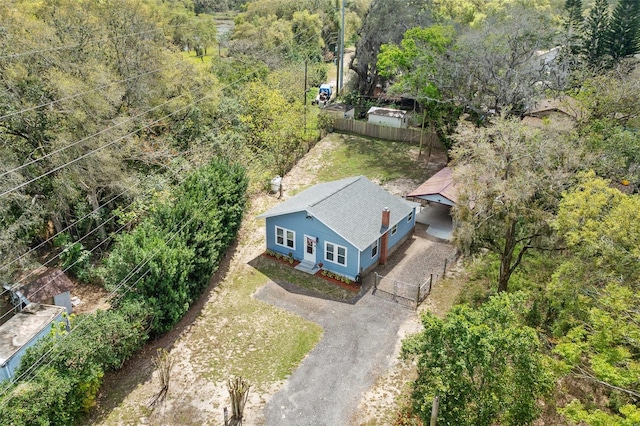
(246,337)
(376,159)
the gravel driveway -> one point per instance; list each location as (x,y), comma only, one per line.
(359,344)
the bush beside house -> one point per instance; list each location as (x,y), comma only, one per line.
(155,272)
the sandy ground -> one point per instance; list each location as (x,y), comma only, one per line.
(195,400)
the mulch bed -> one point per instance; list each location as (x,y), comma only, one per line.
(354,287)
(281,260)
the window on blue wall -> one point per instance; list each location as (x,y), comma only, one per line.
(410,217)
(374,249)
(285,238)
(335,253)
(394,230)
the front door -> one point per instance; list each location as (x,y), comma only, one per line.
(310,248)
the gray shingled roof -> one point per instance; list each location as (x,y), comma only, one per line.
(352,207)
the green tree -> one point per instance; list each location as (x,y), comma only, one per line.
(485,366)
(623,35)
(307,34)
(414,66)
(385,23)
(594,295)
(596,25)
(574,10)
(510,178)
(275,126)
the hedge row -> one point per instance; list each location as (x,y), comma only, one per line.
(157,271)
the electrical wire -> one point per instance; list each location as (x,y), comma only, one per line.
(26,277)
(34,365)
(72,46)
(111,295)
(114,141)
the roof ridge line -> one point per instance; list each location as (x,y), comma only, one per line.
(335,192)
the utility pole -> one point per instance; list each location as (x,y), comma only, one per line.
(341,64)
(305,98)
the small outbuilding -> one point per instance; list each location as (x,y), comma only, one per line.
(340,111)
(44,285)
(349,226)
(388,117)
(22,331)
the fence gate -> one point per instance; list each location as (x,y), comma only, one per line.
(410,295)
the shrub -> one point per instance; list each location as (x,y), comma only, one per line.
(65,386)
(170,257)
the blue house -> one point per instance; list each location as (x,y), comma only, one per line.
(349,226)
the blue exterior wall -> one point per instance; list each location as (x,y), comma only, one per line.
(356,261)
(405,226)
(366,261)
(302,226)
(10,366)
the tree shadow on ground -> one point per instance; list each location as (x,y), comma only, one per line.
(139,368)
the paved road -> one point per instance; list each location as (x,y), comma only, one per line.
(357,346)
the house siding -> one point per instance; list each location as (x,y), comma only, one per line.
(302,226)
(405,229)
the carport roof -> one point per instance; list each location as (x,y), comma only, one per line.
(439,184)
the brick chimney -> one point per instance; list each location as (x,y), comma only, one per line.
(384,240)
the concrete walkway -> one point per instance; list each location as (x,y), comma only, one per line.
(358,345)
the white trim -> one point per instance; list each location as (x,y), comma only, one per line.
(394,230)
(335,254)
(376,247)
(410,217)
(285,238)
(314,242)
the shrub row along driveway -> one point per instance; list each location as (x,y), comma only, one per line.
(358,345)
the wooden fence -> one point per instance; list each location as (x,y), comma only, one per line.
(376,131)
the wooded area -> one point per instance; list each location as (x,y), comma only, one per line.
(132,130)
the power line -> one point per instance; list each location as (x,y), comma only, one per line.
(72,46)
(142,264)
(111,295)
(114,141)
(77,95)
(86,138)
(24,278)
(100,148)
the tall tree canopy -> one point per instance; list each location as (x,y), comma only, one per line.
(483,364)
(510,177)
(623,35)
(595,293)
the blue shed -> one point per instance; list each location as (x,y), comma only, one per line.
(349,225)
(22,331)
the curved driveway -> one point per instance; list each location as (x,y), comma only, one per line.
(357,346)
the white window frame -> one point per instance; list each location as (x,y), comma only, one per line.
(410,217)
(335,253)
(375,247)
(285,239)
(394,230)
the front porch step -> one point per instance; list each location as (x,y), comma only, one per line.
(308,267)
